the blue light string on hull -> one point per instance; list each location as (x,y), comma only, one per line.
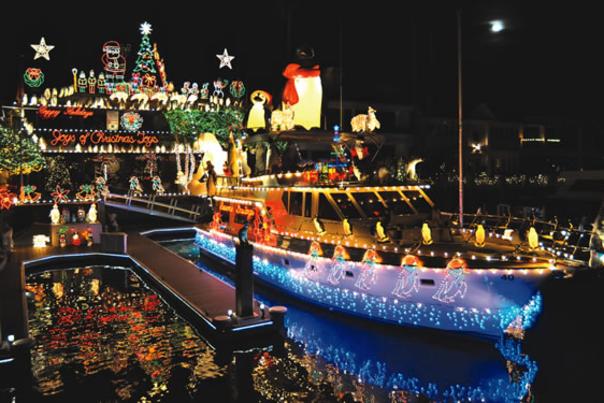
(382,308)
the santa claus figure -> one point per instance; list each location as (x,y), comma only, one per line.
(303,91)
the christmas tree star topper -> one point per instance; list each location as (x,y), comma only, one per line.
(42,49)
(225,59)
(145,28)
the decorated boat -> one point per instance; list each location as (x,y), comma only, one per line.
(385,252)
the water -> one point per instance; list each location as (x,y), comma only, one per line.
(102,335)
(398,363)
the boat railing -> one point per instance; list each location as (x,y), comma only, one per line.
(567,239)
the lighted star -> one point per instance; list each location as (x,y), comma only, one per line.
(42,49)
(225,59)
(145,28)
(476,148)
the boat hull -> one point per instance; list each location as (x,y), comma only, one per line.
(483,302)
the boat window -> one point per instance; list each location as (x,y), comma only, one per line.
(224,217)
(285,200)
(346,206)
(242,218)
(396,204)
(295,203)
(326,210)
(418,201)
(370,204)
(307,204)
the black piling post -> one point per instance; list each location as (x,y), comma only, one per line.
(244,280)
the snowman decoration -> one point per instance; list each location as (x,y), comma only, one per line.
(454,284)
(408,280)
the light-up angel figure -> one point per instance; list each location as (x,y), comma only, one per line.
(312,264)
(368,275)
(338,266)
(408,280)
(454,284)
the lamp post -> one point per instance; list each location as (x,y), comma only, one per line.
(496,26)
(459,119)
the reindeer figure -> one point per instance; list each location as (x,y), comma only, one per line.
(365,123)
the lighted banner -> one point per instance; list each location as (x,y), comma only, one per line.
(99,137)
(88,119)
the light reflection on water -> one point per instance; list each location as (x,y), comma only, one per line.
(101,333)
(395,364)
(104,328)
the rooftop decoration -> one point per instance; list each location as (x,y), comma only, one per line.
(225,59)
(42,49)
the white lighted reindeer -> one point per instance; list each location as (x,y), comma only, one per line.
(365,123)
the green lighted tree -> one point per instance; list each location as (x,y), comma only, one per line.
(58,173)
(145,62)
(18,153)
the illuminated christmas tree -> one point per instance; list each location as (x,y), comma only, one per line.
(144,73)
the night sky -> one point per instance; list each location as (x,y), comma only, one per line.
(547,63)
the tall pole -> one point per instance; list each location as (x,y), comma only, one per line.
(341,68)
(460,118)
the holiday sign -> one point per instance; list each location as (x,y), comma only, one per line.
(99,137)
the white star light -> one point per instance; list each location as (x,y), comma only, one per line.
(225,59)
(145,28)
(42,50)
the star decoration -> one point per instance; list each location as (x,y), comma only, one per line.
(42,49)
(225,59)
(145,28)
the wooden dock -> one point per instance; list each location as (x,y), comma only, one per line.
(209,297)
(201,298)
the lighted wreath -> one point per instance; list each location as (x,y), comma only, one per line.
(131,121)
(33,77)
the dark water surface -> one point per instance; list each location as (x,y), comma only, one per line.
(102,335)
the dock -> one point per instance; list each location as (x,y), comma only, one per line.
(200,298)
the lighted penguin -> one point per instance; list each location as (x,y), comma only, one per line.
(257,118)
(303,90)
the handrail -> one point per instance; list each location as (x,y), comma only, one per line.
(171,208)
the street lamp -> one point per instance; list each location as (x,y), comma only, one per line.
(459,119)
